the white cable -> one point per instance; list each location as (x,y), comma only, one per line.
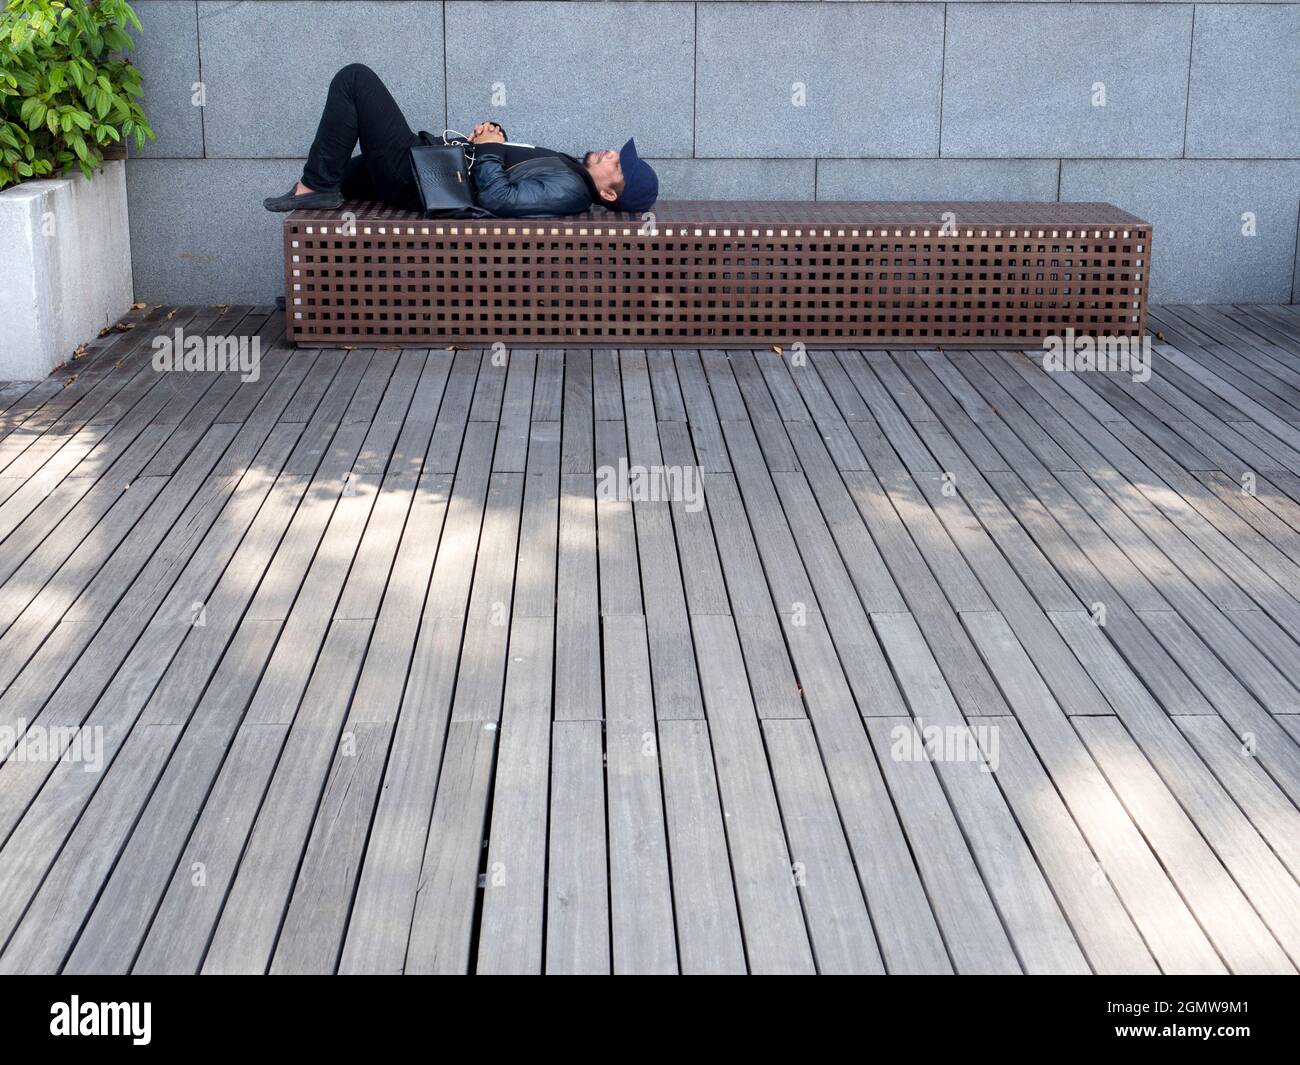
(455,134)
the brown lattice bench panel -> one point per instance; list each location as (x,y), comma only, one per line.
(721,274)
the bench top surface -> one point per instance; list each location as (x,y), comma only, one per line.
(794,212)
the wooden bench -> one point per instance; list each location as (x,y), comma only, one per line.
(721,274)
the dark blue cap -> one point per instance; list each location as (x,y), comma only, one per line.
(640,182)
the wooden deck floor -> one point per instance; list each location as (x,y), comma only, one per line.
(364,677)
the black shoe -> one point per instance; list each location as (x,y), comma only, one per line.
(307,201)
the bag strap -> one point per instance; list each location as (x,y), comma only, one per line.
(451,138)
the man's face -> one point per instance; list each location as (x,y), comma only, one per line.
(606,171)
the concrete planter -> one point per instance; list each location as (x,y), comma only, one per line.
(66,268)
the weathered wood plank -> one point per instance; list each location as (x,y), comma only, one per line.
(641,904)
(668,402)
(548,386)
(1170,930)
(1229,694)
(453,414)
(974,935)
(511,455)
(704,898)
(1032,918)
(1104,930)
(860,655)
(129,686)
(706,430)
(775,937)
(701,569)
(577,449)
(318,912)
(260,885)
(442,922)
(480,680)
(672,654)
(511,936)
(31,948)
(121,917)
(969,677)
(535,575)
(838,923)
(577,605)
(1234,763)
(128,902)
(577,898)
(1262,879)
(620,574)
(1228,919)
(380,923)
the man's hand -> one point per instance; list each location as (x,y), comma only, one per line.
(487,133)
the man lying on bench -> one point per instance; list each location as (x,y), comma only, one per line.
(510,180)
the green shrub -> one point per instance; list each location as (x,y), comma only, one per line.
(65,89)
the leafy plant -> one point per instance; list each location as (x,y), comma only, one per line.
(66,90)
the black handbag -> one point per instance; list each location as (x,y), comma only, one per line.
(442,176)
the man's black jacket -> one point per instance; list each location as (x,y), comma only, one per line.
(536,187)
